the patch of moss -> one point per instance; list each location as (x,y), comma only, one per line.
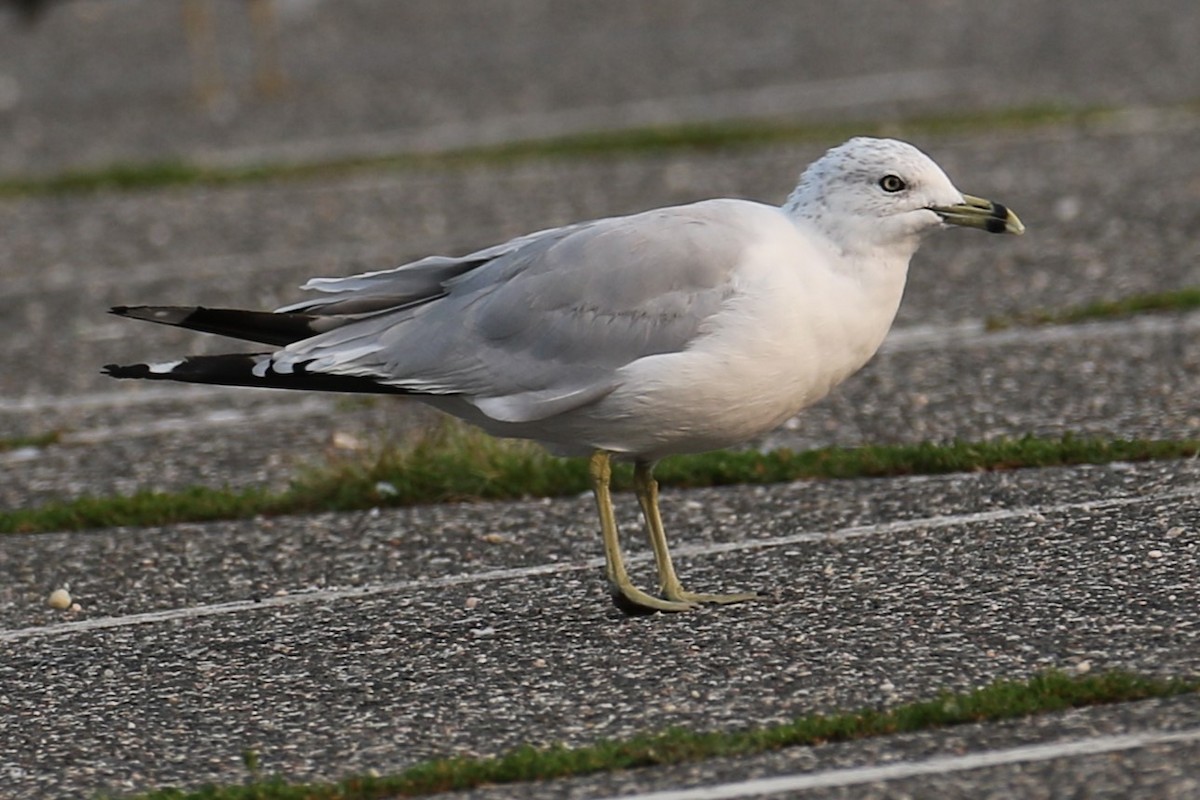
(698,136)
(1178,300)
(1005,699)
(39,440)
(457,463)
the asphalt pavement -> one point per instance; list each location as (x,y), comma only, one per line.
(334,644)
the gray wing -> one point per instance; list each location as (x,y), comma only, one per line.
(542,324)
(407,285)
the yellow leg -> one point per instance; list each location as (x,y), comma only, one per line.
(202,46)
(646,489)
(268,74)
(628,597)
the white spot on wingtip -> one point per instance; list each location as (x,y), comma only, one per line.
(261,365)
(164,368)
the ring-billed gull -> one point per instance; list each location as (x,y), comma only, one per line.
(676,330)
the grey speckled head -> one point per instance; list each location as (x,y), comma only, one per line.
(872,192)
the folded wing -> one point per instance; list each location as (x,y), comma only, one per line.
(524,330)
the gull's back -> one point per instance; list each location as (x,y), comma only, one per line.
(542,325)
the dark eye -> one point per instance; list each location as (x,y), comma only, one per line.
(892,183)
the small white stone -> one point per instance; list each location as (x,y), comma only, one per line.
(23,454)
(60,599)
(347,441)
(1067,208)
(1155,554)
(1083,667)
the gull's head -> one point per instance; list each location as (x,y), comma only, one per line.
(883,193)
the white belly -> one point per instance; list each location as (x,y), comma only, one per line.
(783,340)
(773,359)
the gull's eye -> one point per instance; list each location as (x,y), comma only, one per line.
(892,183)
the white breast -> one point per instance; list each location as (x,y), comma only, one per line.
(786,337)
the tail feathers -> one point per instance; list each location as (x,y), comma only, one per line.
(248,369)
(264,327)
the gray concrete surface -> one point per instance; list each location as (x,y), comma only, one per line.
(850,769)
(99,80)
(341,643)
(933,381)
(876,592)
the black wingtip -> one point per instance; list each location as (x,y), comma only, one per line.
(264,327)
(125,371)
(244,369)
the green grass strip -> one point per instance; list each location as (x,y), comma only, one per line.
(1005,699)
(709,136)
(38,440)
(1185,299)
(457,463)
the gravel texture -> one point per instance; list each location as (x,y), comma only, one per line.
(1158,772)
(75,90)
(342,643)
(325,686)
(1113,379)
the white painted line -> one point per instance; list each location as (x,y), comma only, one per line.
(761,102)
(412,586)
(299,598)
(210,418)
(938,765)
(197,268)
(970,333)
(135,394)
(931,523)
(190,425)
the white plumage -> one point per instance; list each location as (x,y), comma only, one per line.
(676,330)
